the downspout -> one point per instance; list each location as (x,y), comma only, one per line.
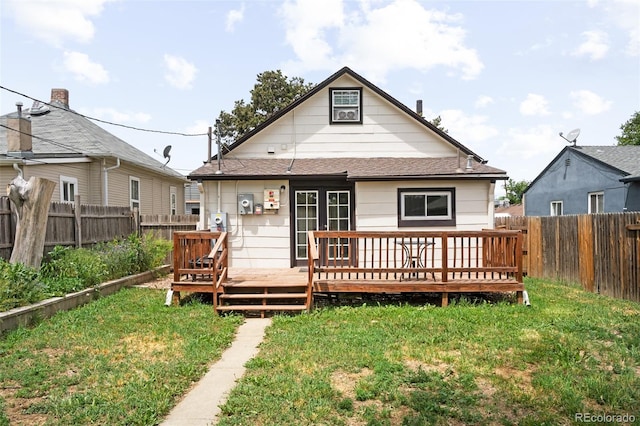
(490,206)
(106,178)
(293,137)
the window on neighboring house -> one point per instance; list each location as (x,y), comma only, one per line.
(556,208)
(174,200)
(346,105)
(596,202)
(134,192)
(68,189)
(426,207)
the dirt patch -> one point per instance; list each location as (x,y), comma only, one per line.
(160,283)
(345,383)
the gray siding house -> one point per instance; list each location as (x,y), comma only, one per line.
(52,141)
(587,179)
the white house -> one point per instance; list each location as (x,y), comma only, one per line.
(346,156)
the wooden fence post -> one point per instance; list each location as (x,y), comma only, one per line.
(77,214)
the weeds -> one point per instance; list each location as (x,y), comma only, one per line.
(19,285)
(67,270)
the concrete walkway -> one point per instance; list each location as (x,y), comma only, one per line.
(201,405)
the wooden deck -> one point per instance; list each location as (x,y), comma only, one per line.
(351,262)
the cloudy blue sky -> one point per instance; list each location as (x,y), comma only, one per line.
(505,76)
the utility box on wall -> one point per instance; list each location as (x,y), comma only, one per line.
(271,199)
(245,203)
(218,222)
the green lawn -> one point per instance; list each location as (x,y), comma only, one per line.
(571,352)
(127,359)
(123,360)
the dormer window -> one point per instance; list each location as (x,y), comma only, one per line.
(346,105)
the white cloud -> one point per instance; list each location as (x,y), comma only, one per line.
(529,143)
(111,114)
(623,14)
(55,21)
(483,101)
(233,17)
(180,73)
(595,46)
(534,105)
(468,129)
(399,35)
(199,126)
(589,102)
(84,69)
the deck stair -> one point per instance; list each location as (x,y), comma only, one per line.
(263,295)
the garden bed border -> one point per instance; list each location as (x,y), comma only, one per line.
(25,316)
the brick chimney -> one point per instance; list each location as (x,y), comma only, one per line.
(19,137)
(60,95)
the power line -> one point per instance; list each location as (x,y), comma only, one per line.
(104,121)
(73,150)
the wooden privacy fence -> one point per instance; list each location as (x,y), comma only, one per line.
(599,251)
(89,225)
(164,226)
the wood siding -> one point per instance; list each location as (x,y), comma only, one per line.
(154,188)
(377,204)
(385,132)
(255,241)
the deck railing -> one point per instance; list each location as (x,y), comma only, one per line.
(201,256)
(433,255)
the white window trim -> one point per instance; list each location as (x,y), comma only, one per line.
(552,211)
(68,180)
(173,200)
(131,199)
(591,194)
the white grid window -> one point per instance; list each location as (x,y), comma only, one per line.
(346,105)
(556,208)
(134,192)
(68,189)
(596,202)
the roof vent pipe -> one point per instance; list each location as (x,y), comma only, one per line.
(419,107)
(469,162)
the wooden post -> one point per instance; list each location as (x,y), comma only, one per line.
(77,214)
(31,201)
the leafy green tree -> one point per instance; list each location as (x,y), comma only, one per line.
(515,190)
(630,131)
(272,92)
(438,123)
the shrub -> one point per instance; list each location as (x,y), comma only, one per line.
(67,270)
(19,285)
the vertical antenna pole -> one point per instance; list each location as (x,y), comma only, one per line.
(209,147)
(219,146)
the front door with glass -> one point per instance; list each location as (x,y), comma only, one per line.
(322,208)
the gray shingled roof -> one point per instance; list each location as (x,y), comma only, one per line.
(625,158)
(68,134)
(351,168)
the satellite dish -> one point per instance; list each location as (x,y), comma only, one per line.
(166,155)
(572,136)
